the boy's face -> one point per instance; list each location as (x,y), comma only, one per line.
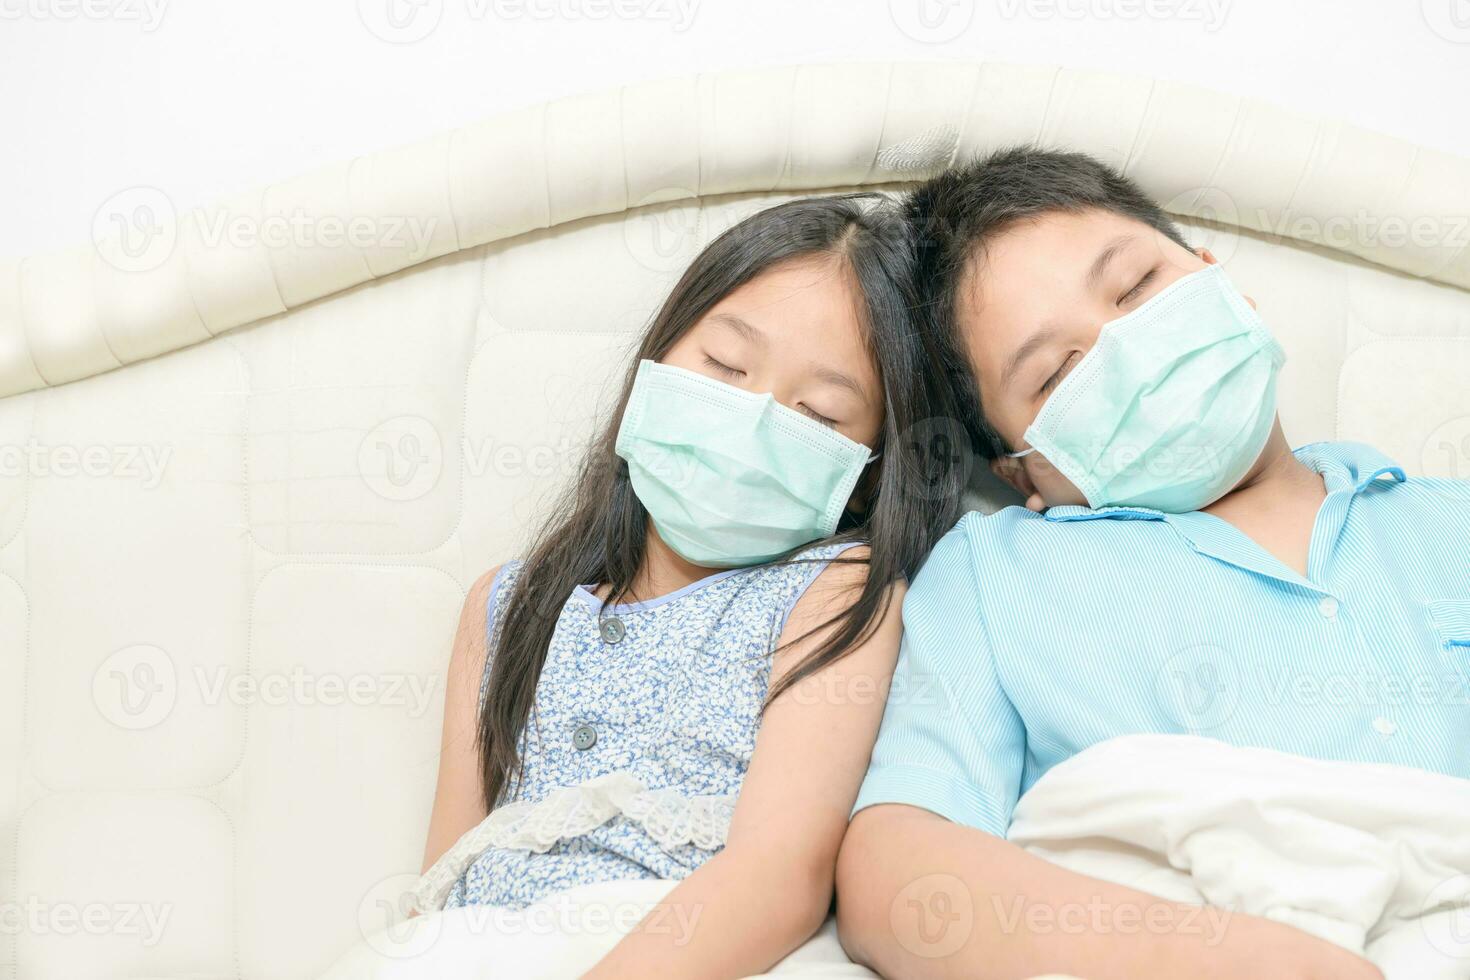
(1034,303)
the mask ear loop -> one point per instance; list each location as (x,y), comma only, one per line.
(845,508)
(1023,452)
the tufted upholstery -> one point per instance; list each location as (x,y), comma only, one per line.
(244,485)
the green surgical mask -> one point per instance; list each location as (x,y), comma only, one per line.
(731,478)
(1173,404)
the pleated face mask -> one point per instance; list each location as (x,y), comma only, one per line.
(728,477)
(1173,404)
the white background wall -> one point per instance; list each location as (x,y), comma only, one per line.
(204,97)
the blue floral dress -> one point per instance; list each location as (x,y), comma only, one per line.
(645,719)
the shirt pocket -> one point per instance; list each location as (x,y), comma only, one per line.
(1451,619)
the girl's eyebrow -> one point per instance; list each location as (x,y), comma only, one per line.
(835,377)
(741,327)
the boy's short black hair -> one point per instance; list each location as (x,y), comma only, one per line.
(956,213)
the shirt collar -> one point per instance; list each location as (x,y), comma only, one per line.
(1078,512)
(1348,466)
(1345,466)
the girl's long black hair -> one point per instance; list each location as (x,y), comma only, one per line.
(597,530)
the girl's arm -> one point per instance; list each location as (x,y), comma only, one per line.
(769,890)
(458,803)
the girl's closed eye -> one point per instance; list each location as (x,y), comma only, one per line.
(722,367)
(802,407)
(813,413)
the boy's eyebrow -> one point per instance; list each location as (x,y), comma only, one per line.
(741,327)
(1031,345)
(1039,339)
(1109,252)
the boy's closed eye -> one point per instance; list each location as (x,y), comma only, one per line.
(1138,288)
(1133,295)
(1055,378)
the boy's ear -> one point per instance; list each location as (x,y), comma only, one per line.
(1013,474)
(1209,259)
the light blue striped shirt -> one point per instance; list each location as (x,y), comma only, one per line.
(1029,637)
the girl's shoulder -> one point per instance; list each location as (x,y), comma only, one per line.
(501,584)
(507,573)
(816,557)
(850,549)
(785,584)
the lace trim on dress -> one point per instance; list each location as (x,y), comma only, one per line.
(668,816)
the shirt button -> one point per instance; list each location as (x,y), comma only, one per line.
(1327,607)
(584,737)
(612,629)
(1384,726)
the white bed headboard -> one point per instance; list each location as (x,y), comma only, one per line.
(245,483)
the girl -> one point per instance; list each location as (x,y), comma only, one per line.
(712,614)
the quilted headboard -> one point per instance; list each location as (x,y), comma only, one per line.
(252,455)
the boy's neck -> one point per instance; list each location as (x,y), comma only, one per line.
(1276,504)
(1278,476)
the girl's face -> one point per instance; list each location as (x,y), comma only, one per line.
(793,331)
